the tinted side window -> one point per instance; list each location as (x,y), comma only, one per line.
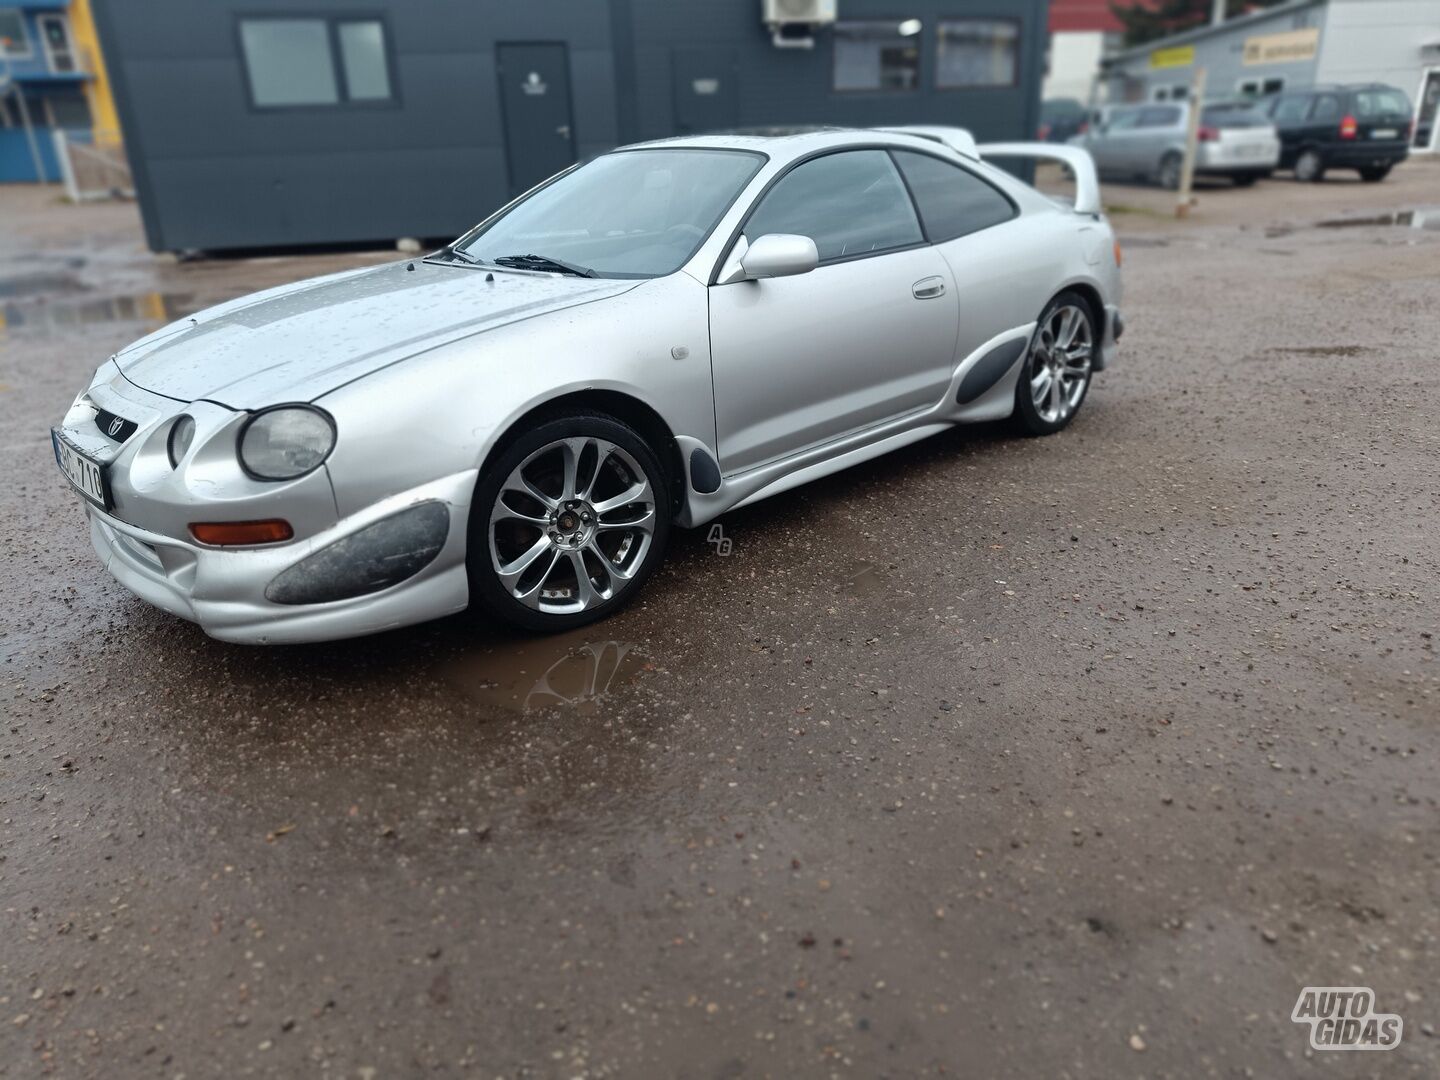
(1326,107)
(1157,116)
(1290,110)
(952,201)
(851,203)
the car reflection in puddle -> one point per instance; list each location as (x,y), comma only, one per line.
(565,672)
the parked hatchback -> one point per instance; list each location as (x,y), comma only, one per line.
(1366,128)
(1148,142)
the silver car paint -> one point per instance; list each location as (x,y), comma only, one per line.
(1139,151)
(421,397)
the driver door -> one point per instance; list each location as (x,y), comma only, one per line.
(867,336)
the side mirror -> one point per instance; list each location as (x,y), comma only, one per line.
(780,255)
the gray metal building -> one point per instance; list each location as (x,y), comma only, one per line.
(260,123)
(1292,46)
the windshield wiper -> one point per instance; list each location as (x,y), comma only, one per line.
(450,252)
(543,262)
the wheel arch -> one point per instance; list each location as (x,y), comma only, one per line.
(623,407)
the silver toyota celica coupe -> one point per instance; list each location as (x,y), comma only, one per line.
(648,339)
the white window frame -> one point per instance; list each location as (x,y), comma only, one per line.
(25,42)
(71,51)
(1434,147)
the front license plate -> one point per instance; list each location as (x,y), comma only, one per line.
(86,474)
(1385,133)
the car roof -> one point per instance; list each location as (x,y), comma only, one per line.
(788,141)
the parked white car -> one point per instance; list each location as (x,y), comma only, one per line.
(651,338)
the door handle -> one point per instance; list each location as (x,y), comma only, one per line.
(928,288)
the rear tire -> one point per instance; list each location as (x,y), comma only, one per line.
(1168,175)
(567,524)
(1375,174)
(1055,376)
(1310,167)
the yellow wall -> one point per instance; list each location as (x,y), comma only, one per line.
(103,118)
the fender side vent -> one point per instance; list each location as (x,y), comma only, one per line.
(989,369)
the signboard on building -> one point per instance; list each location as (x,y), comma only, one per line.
(1283,48)
(1176,57)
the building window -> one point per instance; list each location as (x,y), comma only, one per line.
(877,55)
(1255,88)
(14,42)
(55,33)
(363,60)
(977,52)
(1178,92)
(297,62)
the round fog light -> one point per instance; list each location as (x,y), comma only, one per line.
(182,434)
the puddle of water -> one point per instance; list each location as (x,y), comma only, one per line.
(564,671)
(1424,217)
(153,308)
(38,284)
(862,579)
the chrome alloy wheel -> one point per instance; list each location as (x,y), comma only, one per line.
(572,525)
(1060,369)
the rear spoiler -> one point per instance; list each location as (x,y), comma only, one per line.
(1087,182)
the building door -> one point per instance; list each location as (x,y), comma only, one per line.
(706,92)
(535,98)
(1427,113)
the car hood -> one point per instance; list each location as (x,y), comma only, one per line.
(300,341)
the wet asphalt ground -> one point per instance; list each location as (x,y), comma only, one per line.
(1074,757)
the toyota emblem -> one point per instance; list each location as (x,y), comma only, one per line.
(116,425)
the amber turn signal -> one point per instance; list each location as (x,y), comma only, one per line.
(236,533)
(1117,252)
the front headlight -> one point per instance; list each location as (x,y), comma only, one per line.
(285,442)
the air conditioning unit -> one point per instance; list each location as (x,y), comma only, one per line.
(814,12)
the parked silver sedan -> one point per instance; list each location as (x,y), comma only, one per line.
(651,338)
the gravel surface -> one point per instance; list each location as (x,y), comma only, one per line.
(1071,757)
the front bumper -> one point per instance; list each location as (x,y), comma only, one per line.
(223,589)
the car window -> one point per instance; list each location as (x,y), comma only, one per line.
(1290,110)
(851,203)
(1122,119)
(1372,103)
(1158,116)
(952,200)
(1326,107)
(1232,115)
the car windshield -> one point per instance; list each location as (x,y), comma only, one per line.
(628,214)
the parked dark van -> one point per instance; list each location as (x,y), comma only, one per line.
(1366,128)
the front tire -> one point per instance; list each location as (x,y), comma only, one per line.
(568,523)
(1056,374)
